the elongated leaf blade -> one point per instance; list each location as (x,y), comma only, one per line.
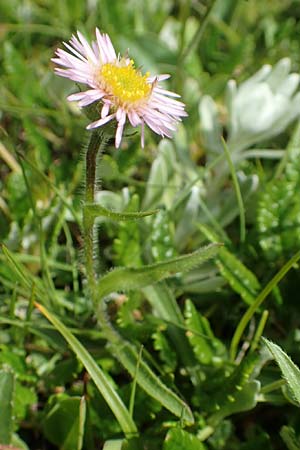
(178,439)
(6,401)
(109,394)
(290,371)
(165,306)
(96,210)
(62,423)
(147,380)
(288,436)
(126,279)
(114,444)
(24,276)
(205,346)
(240,278)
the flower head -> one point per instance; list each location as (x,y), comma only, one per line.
(122,90)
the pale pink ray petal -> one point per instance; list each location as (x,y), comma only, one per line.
(73,75)
(110,48)
(99,123)
(76,44)
(163,98)
(88,50)
(134,118)
(158,129)
(165,92)
(104,54)
(121,123)
(90,99)
(105,110)
(169,109)
(81,95)
(65,59)
(161,77)
(75,52)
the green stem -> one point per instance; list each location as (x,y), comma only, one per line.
(272,386)
(91,166)
(122,349)
(96,146)
(98,142)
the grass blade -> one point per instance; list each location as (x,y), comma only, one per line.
(237,191)
(6,399)
(107,391)
(261,297)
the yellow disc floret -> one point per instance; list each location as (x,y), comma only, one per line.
(125,83)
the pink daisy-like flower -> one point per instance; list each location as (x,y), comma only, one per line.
(123,91)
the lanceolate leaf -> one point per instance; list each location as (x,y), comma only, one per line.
(107,391)
(63,425)
(96,210)
(165,306)
(24,276)
(290,371)
(126,279)
(240,278)
(288,436)
(205,345)
(178,439)
(147,380)
(238,392)
(114,444)
(6,412)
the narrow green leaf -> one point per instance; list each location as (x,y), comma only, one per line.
(149,382)
(127,243)
(164,303)
(290,371)
(107,391)
(178,439)
(96,210)
(24,276)
(235,393)
(288,436)
(123,444)
(206,347)
(17,443)
(165,306)
(254,307)
(166,352)
(237,192)
(243,400)
(61,425)
(114,444)
(126,279)
(82,418)
(55,189)
(6,406)
(240,278)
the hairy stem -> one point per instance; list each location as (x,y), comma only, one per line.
(96,146)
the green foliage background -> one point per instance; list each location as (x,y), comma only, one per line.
(200,329)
